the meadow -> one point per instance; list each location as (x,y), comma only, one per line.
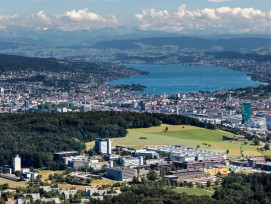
(186,135)
(194,191)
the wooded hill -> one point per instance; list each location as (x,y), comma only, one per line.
(37,136)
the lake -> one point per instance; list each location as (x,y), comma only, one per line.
(172,79)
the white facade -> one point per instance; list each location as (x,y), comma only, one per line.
(134,161)
(103,146)
(2,91)
(17,163)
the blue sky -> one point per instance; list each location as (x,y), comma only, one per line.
(238,16)
(121,8)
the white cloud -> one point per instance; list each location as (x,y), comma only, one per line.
(83,15)
(41,16)
(71,20)
(223,19)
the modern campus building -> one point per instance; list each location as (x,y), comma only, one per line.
(17,163)
(246,112)
(180,153)
(103,146)
(120,173)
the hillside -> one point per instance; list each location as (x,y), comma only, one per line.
(37,136)
(233,44)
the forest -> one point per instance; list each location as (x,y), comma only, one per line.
(37,136)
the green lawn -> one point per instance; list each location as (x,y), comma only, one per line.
(13,184)
(194,191)
(185,135)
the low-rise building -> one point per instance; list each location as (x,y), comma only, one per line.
(131,161)
(120,173)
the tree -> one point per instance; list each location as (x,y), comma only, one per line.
(266,146)
(152,175)
(256,141)
(18,173)
(135,180)
(162,172)
(208,183)
(228,151)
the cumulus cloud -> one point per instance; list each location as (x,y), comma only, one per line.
(217,20)
(83,15)
(41,16)
(70,20)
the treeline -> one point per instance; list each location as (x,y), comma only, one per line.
(37,136)
(241,188)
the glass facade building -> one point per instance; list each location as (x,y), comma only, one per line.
(246,112)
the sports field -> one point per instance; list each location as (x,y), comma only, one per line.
(194,191)
(185,135)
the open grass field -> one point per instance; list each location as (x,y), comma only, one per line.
(45,174)
(94,184)
(101,182)
(185,135)
(194,191)
(69,186)
(13,184)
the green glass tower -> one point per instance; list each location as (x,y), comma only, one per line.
(246,112)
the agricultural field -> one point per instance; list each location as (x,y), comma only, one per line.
(194,191)
(186,135)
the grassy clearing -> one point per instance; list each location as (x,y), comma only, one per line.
(185,135)
(13,184)
(69,186)
(101,182)
(45,174)
(194,191)
(90,145)
(94,184)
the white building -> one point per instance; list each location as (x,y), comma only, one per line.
(103,146)
(133,161)
(17,163)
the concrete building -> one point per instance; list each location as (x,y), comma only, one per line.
(186,154)
(120,173)
(60,156)
(132,161)
(147,154)
(7,169)
(30,175)
(103,146)
(17,163)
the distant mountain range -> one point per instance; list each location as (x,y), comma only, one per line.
(124,37)
(229,44)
